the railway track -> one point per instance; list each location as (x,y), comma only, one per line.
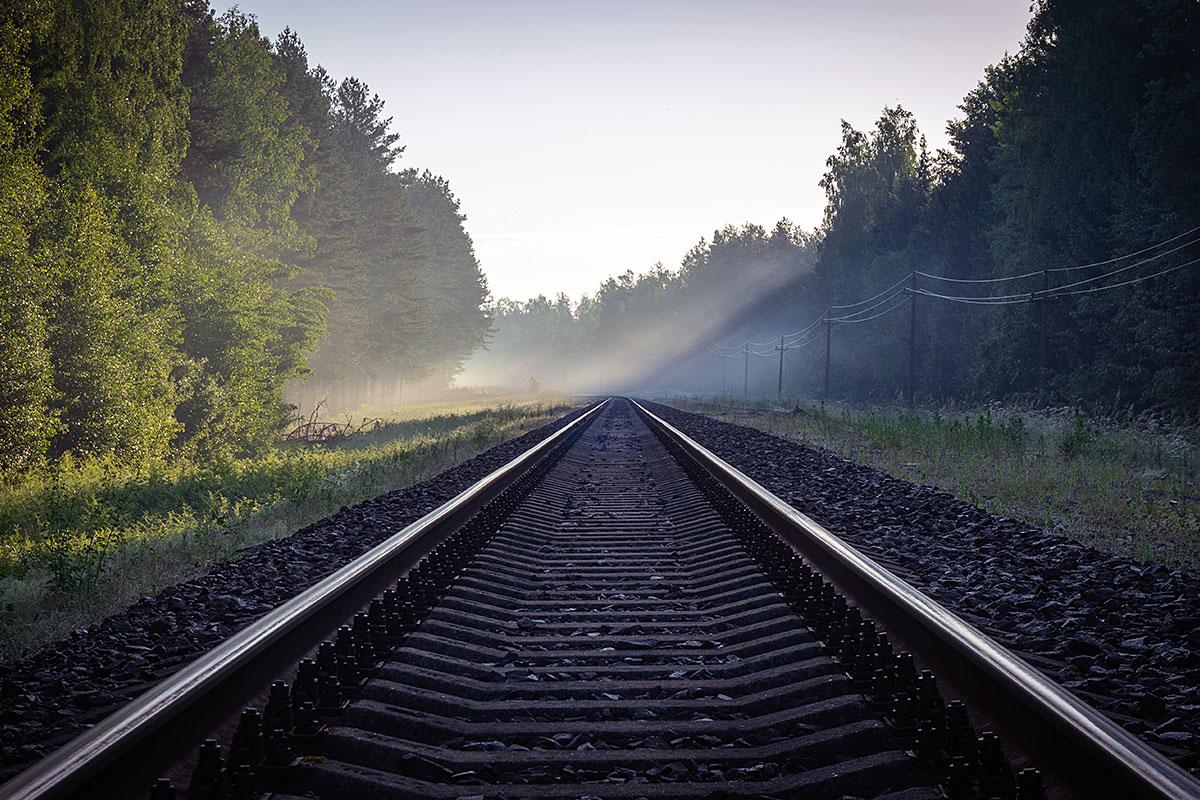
(615,614)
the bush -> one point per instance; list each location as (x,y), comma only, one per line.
(1078,439)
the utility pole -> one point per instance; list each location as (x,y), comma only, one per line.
(1041,396)
(724,360)
(912,340)
(781,367)
(828,339)
(746,375)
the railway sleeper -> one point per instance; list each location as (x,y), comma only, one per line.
(450,686)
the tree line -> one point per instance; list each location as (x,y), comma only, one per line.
(609,338)
(191,216)
(1080,147)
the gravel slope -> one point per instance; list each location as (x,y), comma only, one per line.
(64,688)
(1122,634)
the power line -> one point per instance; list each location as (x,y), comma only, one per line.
(812,332)
(800,333)
(740,352)
(1124,269)
(979,301)
(981,280)
(1127,255)
(1035,273)
(887,299)
(798,344)
(847,320)
(1057,291)
(1131,281)
(719,354)
(876,297)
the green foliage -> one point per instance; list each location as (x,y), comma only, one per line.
(1078,439)
(404,291)
(110,130)
(246,152)
(111,369)
(84,537)
(178,199)
(26,382)
(67,519)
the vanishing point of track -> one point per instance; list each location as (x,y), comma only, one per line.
(615,614)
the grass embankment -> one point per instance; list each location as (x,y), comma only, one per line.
(1129,489)
(84,540)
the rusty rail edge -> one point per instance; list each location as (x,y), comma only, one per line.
(162,725)
(1082,752)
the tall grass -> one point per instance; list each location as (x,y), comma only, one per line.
(1128,488)
(83,539)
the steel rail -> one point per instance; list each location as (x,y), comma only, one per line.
(162,726)
(1082,751)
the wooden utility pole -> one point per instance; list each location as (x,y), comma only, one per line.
(912,340)
(781,367)
(746,375)
(828,340)
(1041,396)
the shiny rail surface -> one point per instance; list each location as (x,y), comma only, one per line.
(146,734)
(1087,753)
(617,613)
(614,640)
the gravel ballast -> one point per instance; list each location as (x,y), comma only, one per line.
(1123,635)
(68,686)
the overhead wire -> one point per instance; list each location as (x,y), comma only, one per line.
(723,355)
(1035,273)
(978,280)
(848,320)
(1127,255)
(798,343)
(1129,282)
(1057,291)
(979,301)
(1052,291)
(1143,262)
(813,331)
(876,297)
(800,333)
(873,307)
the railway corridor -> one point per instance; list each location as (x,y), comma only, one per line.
(614,639)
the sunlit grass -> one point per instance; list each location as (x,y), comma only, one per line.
(84,539)
(1130,490)
(464,403)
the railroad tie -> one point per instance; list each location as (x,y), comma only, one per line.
(613,640)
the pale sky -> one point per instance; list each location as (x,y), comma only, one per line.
(586,138)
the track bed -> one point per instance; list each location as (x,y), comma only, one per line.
(615,613)
(613,640)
